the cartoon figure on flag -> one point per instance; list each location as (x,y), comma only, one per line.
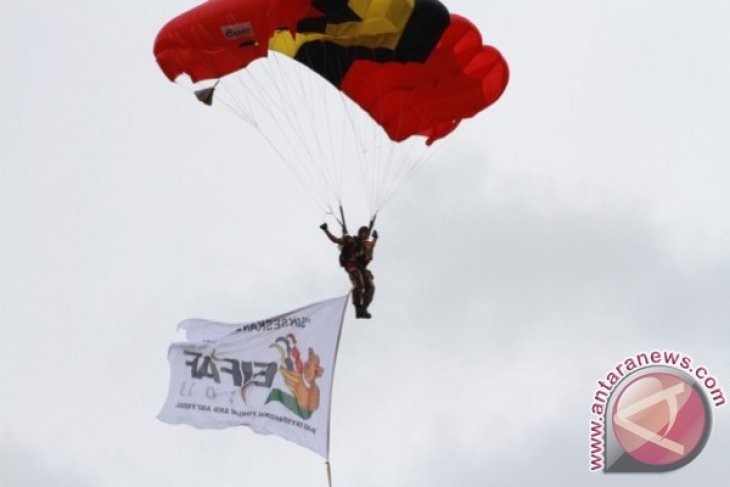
(299,377)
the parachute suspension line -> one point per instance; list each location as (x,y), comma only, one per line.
(324,160)
(343,139)
(289,112)
(385,166)
(287,158)
(422,161)
(383,148)
(280,99)
(291,116)
(390,162)
(285,93)
(396,181)
(245,111)
(410,165)
(330,94)
(283,112)
(244,108)
(384,154)
(248,113)
(372,222)
(370,162)
(342,127)
(405,167)
(325,90)
(339,219)
(255,85)
(343,222)
(289,91)
(346,105)
(360,151)
(366,155)
(378,166)
(335,157)
(234,105)
(284,159)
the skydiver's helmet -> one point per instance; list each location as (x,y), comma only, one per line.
(363,232)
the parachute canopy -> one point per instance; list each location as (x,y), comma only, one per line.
(412,66)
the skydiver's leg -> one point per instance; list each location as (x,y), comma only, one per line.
(358,288)
(369,288)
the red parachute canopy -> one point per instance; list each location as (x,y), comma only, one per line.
(412,66)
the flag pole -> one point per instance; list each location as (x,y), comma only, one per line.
(339,335)
(329,473)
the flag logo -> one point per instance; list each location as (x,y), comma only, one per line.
(299,377)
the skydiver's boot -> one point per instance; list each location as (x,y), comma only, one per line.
(357,302)
(366,304)
(361,312)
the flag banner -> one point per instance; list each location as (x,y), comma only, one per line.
(273,375)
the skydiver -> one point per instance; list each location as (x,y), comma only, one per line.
(355,255)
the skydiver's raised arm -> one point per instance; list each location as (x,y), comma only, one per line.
(332,238)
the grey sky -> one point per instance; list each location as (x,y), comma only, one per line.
(580,220)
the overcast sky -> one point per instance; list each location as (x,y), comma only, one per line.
(583,218)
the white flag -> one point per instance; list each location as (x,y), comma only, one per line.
(274,375)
